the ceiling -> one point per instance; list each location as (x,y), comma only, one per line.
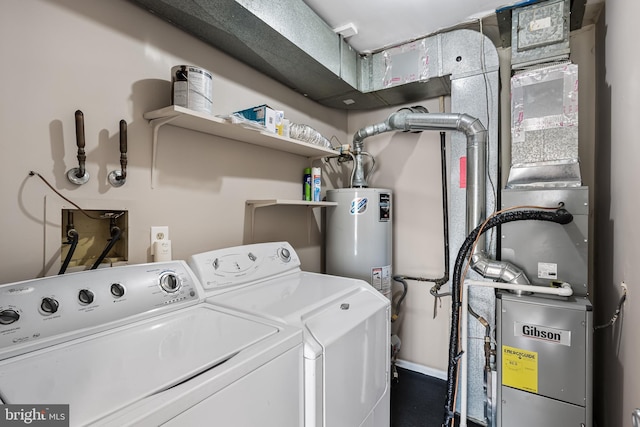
(384,23)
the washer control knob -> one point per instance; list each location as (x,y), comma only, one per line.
(284,254)
(85,296)
(169,282)
(8,317)
(49,305)
(117,290)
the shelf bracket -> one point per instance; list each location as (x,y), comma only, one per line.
(156,124)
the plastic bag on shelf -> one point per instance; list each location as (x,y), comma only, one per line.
(308,134)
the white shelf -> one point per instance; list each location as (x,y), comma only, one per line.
(205,123)
(212,125)
(273,202)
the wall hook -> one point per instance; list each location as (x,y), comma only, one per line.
(79,175)
(118,178)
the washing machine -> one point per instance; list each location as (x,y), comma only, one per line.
(137,345)
(345,324)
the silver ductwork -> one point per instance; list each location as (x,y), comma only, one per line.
(501,270)
(289,42)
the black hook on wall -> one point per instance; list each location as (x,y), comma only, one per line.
(118,178)
(79,175)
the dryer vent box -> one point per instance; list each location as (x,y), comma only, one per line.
(540,33)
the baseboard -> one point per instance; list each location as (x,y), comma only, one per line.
(415,367)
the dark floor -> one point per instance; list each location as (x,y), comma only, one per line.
(417,400)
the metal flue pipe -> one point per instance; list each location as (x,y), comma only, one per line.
(476,135)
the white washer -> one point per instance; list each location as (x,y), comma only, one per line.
(345,322)
(136,345)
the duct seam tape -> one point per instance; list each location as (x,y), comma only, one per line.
(316,180)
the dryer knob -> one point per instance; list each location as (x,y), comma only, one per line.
(8,317)
(49,305)
(169,282)
(85,296)
(117,290)
(284,254)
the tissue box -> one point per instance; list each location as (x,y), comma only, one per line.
(262,114)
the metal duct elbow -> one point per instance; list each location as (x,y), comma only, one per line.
(359,179)
(501,270)
(365,132)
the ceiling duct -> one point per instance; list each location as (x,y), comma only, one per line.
(287,41)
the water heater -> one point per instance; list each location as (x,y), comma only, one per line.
(359,236)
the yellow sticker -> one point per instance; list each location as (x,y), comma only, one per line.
(520,368)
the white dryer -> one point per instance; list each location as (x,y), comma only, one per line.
(136,345)
(345,322)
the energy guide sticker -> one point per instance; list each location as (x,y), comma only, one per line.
(520,368)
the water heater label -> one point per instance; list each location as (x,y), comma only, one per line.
(385,207)
(358,206)
(520,368)
(542,333)
(381,279)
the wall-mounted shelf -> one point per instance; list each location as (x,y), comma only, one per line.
(205,123)
(255,204)
(272,202)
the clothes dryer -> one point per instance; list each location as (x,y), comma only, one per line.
(345,323)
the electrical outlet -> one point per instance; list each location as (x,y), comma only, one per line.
(625,289)
(158,234)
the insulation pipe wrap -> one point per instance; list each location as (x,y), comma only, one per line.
(560,216)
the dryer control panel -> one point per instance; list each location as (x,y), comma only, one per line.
(231,268)
(54,309)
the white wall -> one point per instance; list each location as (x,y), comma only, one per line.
(617,204)
(112,60)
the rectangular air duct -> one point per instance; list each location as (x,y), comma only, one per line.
(287,41)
